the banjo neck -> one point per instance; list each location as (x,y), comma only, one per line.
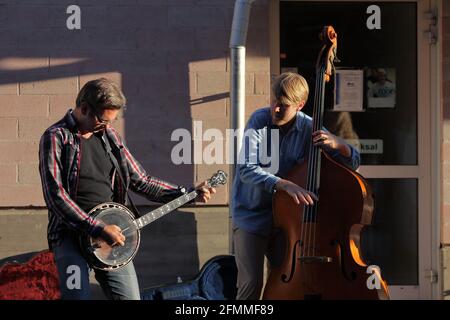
(218,178)
(165,209)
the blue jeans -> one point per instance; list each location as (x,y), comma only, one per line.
(73,272)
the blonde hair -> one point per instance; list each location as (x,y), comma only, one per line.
(290,89)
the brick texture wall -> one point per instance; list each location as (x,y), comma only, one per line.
(445,222)
(446,125)
(170,57)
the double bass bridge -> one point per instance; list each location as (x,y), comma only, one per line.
(315,259)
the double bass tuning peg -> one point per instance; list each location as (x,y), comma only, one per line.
(336,60)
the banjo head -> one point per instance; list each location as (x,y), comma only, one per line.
(102,255)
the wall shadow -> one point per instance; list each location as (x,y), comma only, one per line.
(168,250)
(150,57)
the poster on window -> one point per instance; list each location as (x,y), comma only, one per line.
(348,90)
(381,87)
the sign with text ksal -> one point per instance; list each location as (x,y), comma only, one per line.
(374,146)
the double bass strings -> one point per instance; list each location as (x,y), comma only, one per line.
(303,229)
(309,211)
(310,177)
(317,153)
(314,162)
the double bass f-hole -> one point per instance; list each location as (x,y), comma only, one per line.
(287,278)
(340,254)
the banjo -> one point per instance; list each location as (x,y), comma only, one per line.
(100,255)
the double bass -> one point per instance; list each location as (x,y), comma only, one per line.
(323,256)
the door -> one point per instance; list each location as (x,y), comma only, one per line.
(389,122)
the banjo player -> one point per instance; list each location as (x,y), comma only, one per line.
(77,174)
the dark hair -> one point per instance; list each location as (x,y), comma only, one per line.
(101,94)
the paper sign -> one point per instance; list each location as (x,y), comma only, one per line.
(348,90)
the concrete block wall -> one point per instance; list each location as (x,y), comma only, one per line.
(446,122)
(171,59)
(445,221)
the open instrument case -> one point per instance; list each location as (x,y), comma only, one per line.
(215,281)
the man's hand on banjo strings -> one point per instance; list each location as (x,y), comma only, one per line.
(112,234)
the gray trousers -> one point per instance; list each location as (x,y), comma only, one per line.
(249,251)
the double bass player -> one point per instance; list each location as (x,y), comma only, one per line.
(251,202)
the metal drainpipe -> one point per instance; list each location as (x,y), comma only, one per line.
(238,39)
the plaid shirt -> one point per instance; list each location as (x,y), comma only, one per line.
(59,167)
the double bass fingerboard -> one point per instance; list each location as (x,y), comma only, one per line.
(314,158)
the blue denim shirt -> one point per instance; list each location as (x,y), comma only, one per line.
(251,202)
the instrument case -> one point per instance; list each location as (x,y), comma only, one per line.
(215,281)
